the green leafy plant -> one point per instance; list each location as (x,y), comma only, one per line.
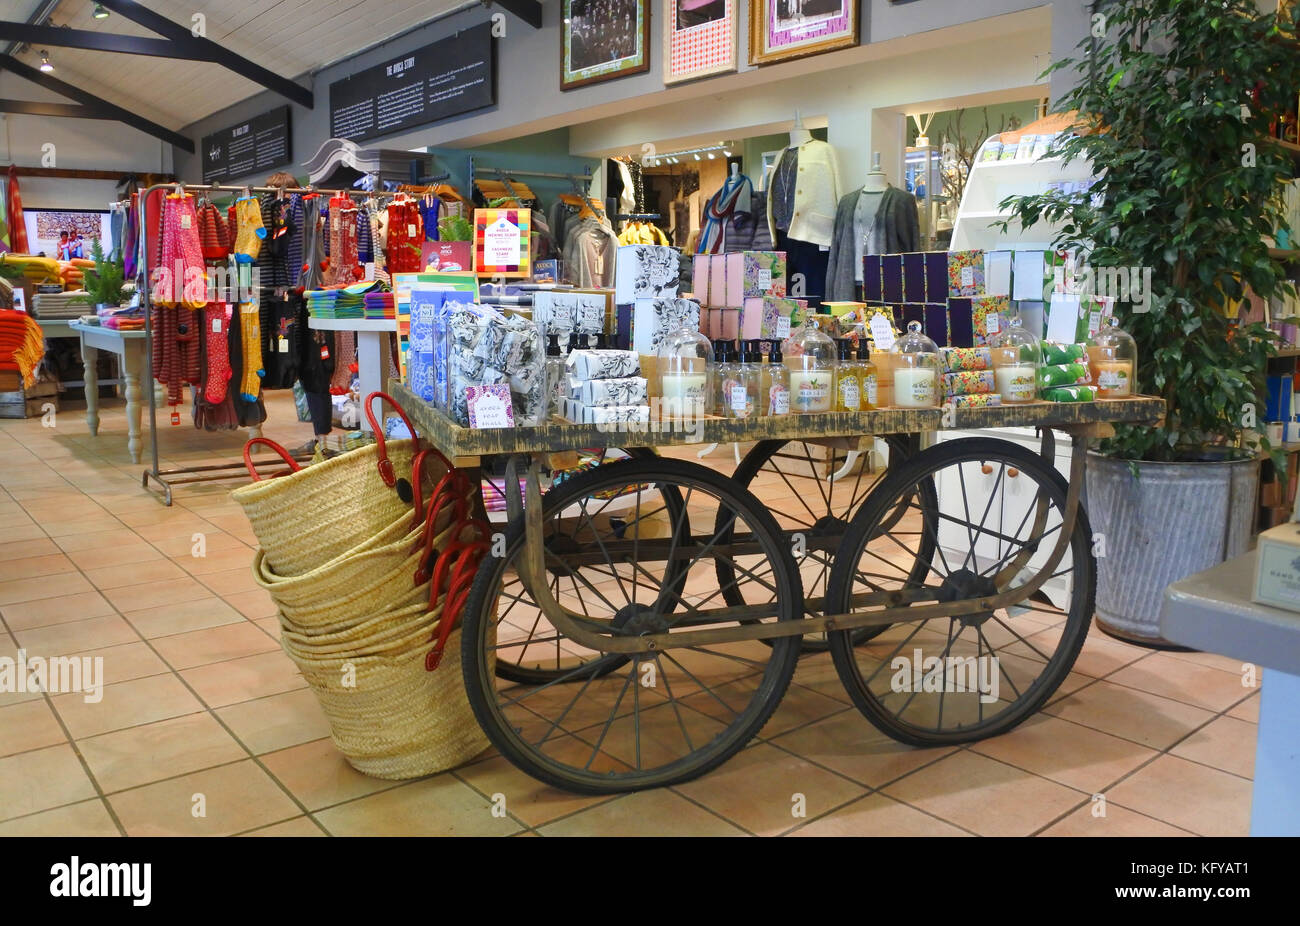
(104,283)
(1174,103)
(455,228)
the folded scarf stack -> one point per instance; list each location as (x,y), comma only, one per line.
(22,346)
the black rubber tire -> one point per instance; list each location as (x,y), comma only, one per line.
(901,448)
(1074,631)
(480,684)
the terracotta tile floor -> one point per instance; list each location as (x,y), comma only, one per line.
(204,727)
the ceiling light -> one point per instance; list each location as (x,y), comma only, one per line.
(710,155)
(45,63)
(697,157)
(101,12)
(726,152)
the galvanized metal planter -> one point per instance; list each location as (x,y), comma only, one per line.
(1173,520)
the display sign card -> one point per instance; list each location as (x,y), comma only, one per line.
(254,146)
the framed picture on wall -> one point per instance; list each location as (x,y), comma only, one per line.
(783,29)
(700,38)
(603,40)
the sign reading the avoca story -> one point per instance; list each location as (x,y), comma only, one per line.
(254,146)
(452,76)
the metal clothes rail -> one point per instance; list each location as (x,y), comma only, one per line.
(183,475)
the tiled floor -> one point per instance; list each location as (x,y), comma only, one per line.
(205,728)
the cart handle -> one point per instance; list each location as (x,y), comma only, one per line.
(279,450)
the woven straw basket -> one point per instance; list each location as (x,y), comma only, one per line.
(306,519)
(427,723)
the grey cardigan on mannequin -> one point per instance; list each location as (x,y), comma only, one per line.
(902,233)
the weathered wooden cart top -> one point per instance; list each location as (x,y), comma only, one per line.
(457,441)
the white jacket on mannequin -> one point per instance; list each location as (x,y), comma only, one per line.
(816,195)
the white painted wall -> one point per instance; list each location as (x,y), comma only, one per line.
(862,104)
(85,144)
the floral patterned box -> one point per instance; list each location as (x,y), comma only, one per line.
(770,317)
(751,274)
(989,314)
(966,273)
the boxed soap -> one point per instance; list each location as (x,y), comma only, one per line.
(751,274)
(645,271)
(1277,567)
(700,278)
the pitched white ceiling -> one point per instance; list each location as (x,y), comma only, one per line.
(289,37)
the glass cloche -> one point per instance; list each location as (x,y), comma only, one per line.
(810,358)
(916,369)
(1112,358)
(685,357)
(1017,355)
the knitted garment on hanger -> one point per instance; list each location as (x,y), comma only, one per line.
(405,236)
(365,239)
(131,246)
(251,231)
(429,207)
(217,356)
(181,276)
(250,339)
(313,245)
(345,346)
(342,268)
(176,351)
(378,216)
(212,233)
(293,214)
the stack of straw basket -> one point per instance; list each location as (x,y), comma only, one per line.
(339,553)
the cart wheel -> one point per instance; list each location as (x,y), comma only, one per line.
(614,723)
(536,656)
(816,508)
(950,680)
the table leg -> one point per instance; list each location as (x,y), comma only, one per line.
(90,357)
(132,364)
(371,364)
(1275,807)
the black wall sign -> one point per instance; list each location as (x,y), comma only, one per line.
(452,76)
(259,144)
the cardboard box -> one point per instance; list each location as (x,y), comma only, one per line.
(752,274)
(872,284)
(700,278)
(1277,568)
(645,271)
(770,317)
(717,280)
(914,287)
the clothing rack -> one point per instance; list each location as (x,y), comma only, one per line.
(638,217)
(537,174)
(185,475)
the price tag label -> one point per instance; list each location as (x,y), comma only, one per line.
(282,345)
(1094,322)
(992,324)
(185,221)
(764,279)
(882,332)
(410,230)
(370,270)
(967,277)
(216,326)
(783,326)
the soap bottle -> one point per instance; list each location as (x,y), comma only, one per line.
(722,376)
(556,378)
(848,382)
(747,378)
(868,377)
(775,394)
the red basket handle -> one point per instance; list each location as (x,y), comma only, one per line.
(422,572)
(266,441)
(417,473)
(385,465)
(468,555)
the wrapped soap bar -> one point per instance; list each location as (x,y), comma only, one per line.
(630,390)
(1058,354)
(610,414)
(984,400)
(603,364)
(1065,374)
(969,382)
(1071,394)
(960,359)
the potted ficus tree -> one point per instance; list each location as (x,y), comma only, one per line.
(1175,102)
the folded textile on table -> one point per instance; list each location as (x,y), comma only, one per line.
(22,344)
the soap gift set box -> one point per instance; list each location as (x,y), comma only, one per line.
(725,281)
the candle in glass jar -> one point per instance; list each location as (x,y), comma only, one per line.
(914,387)
(810,391)
(684,393)
(1114,379)
(1016,383)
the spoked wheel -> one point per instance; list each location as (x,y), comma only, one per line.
(611,722)
(998,516)
(814,491)
(536,655)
